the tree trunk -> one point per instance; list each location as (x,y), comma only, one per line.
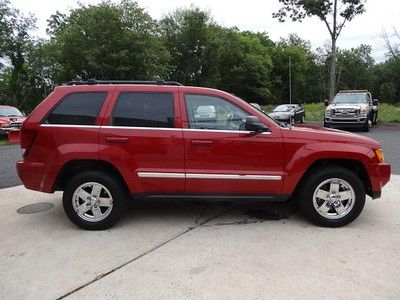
(332,77)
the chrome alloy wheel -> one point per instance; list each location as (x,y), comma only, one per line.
(92,202)
(334,198)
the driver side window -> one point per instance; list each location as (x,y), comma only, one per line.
(209,112)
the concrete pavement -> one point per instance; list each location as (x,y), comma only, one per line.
(182,250)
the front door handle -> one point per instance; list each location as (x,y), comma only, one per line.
(116,139)
(202,143)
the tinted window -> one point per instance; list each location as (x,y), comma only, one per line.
(77,109)
(144,110)
(208,112)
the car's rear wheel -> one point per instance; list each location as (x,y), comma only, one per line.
(94,200)
(332,197)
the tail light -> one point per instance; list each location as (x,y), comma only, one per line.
(27,137)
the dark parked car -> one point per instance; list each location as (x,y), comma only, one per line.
(289,113)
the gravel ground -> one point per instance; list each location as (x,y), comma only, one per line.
(388,135)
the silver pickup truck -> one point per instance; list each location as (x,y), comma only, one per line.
(351,109)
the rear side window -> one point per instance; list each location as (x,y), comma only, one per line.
(144,110)
(77,109)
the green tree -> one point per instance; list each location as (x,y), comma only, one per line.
(245,64)
(106,41)
(190,36)
(15,45)
(355,68)
(334,13)
(304,71)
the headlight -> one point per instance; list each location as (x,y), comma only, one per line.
(363,112)
(5,125)
(328,112)
(379,154)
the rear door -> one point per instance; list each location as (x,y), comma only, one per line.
(222,158)
(140,136)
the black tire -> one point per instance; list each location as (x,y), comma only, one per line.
(317,177)
(326,125)
(366,125)
(303,118)
(375,121)
(115,188)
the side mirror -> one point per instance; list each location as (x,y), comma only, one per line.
(326,102)
(375,102)
(253,124)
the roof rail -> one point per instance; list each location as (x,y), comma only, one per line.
(353,91)
(95,81)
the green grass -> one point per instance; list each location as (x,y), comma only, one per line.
(3,142)
(388,113)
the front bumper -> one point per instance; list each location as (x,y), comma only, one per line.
(345,122)
(379,174)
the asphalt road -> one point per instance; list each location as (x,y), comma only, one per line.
(387,135)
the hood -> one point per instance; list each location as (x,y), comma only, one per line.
(348,105)
(5,120)
(279,114)
(332,135)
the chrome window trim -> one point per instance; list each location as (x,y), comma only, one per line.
(183,129)
(152,128)
(69,126)
(140,128)
(207,176)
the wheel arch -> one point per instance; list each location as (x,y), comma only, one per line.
(353,165)
(76,166)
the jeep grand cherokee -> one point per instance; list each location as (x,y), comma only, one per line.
(102,142)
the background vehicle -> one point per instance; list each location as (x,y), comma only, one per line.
(256,105)
(10,121)
(289,113)
(102,142)
(351,109)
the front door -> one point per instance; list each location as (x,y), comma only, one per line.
(221,157)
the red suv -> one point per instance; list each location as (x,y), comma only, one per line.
(103,141)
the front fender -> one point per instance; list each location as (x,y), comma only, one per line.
(300,160)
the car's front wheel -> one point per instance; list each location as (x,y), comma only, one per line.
(94,200)
(332,197)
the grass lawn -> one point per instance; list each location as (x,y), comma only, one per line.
(3,142)
(387,113)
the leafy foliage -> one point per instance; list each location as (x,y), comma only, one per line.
(122,41)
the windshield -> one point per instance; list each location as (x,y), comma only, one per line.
(283,108)
(10,112)
(350,98)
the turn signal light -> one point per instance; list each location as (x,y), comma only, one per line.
(379,155)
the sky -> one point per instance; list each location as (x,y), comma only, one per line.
(254,15)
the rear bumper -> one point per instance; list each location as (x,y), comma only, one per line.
(379,175)
(33,176)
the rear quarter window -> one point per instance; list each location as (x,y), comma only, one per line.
(77,109)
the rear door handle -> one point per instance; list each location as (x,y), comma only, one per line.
(116,139)
(202,143)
